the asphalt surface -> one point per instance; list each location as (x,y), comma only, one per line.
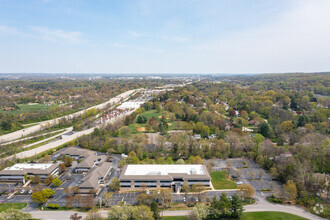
(41,125)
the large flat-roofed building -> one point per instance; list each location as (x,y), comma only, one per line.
(170,176)
(17,172)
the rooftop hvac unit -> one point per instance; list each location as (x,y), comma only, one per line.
(193,171)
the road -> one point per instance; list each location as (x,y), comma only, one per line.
(30,137)
(42,125)
(54,144)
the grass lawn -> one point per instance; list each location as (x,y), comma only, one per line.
(5,206)
(269,216)
(148,115)
(25,108)
(219,180)
(174,217)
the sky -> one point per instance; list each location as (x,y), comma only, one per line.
(164,36)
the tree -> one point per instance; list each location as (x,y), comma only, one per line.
(49,179)
(62,168)
(14,214)
(266,130)
(68,161)
(47,158)
(163,126)
(145,199)
(287,126)
(57,182)
(236,206)
(114,185)
(75,217)
(42,196)
(93,214)
(143,212)
(199,212)
(248,191)
(36,179)
(155,210)
(291,190)
(180,161)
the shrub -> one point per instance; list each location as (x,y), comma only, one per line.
(53,206)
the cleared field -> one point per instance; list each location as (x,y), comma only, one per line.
(221,181)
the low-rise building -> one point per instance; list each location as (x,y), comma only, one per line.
(97,175)
(169,176)
(88,163)
(77,153)
(17,172)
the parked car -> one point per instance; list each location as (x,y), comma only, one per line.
(184,199)
(30,191)
(239,182)
(147,192)
(23,191)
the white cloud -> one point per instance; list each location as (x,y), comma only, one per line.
(9,30)
(59,35)
(45,33)
(298,40)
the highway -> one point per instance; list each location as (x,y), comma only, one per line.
(40,126)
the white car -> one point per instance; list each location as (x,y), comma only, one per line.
(184,199)
(147,192)
(239,182)
(23,191)
(30,191)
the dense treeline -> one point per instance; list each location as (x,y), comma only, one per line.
(284,129)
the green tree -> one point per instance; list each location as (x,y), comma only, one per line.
(143,212)
(42,196)
(14,214)
(200,212)
(163,126)
(287,126)
(57,182)
(236,206)
(155,210)
(291,190)
(114,185)
(266,130)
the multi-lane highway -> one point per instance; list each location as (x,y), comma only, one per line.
(40,126)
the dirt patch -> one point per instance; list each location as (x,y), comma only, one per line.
(141,129)
(169,124)
(160,116)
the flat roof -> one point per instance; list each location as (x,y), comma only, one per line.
(164,169)
(30,166)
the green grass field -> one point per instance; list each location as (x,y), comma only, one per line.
(5,206)
(219,180)
(269,216)
(26,108)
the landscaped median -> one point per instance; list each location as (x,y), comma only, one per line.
(221,180)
